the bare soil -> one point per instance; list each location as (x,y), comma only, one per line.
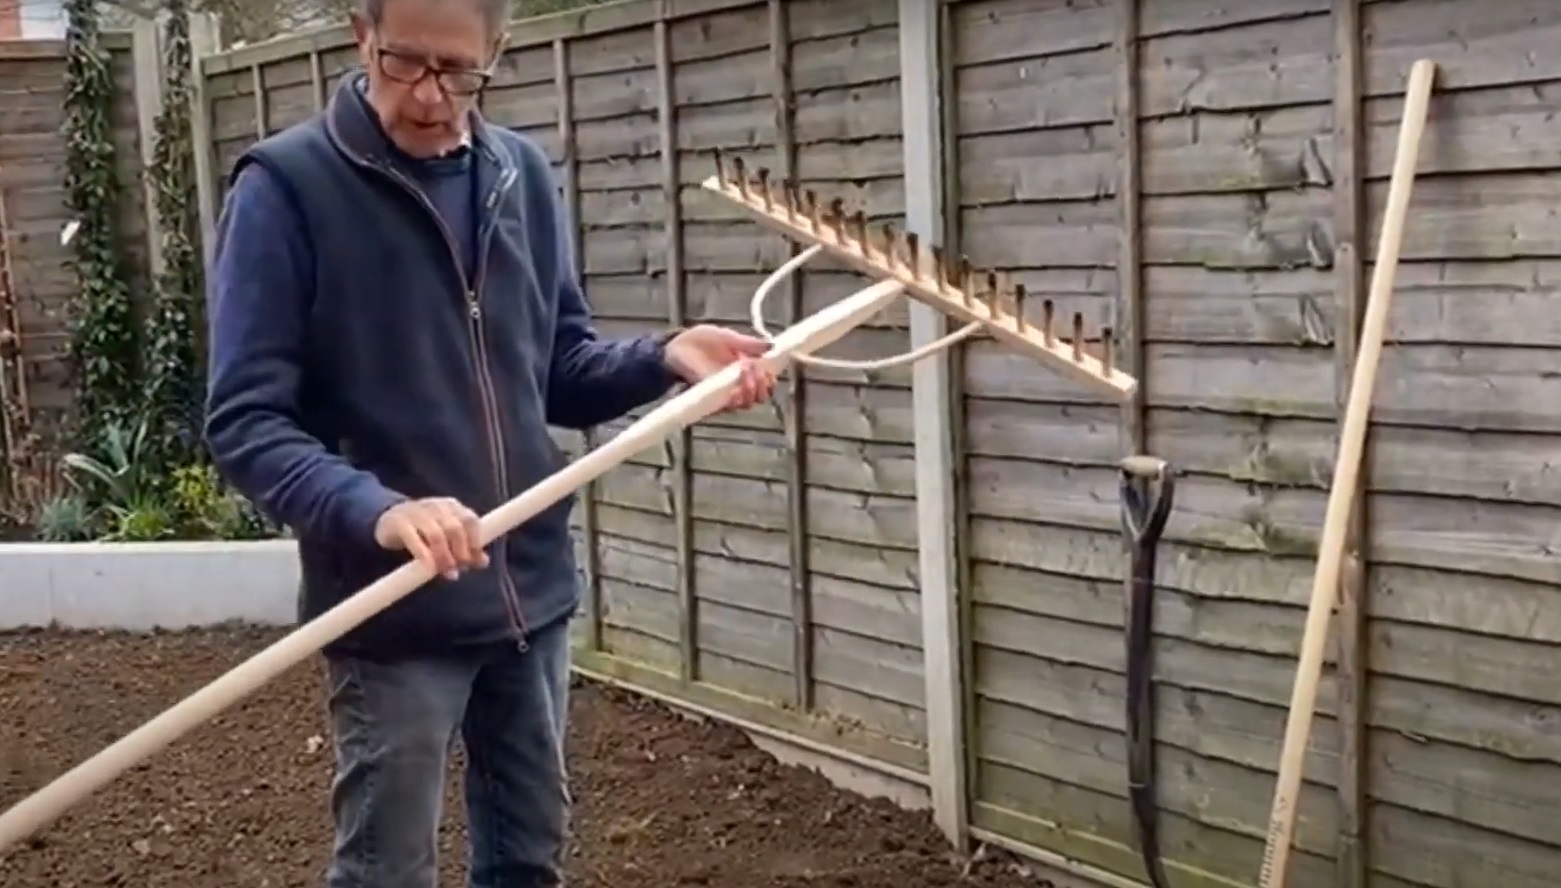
(662,800)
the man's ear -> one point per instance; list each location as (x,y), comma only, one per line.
(362,30)
(500,43)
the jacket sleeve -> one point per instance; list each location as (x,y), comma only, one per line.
(593,380)
(258,299)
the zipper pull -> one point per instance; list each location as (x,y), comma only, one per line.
(475,307)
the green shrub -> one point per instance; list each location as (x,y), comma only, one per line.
(122,493)
(66,519)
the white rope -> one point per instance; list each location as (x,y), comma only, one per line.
(756,310)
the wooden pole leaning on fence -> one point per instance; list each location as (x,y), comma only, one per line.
(1346,473)
(693,405)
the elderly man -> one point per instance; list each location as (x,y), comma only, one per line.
(394,321)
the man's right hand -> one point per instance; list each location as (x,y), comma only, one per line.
(440,532)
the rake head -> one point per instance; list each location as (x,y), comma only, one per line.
(951,286)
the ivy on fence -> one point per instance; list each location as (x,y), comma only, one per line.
(104,344)
(175,376)
(139,470)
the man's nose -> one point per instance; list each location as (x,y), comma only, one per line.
(427,90)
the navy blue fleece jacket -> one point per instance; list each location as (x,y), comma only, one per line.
(383,328)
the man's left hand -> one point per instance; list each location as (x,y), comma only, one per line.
(705,350)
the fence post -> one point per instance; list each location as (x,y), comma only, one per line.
(569,159)
(796,419)
(147,63)
(933,403)
(1352,677)
(677,315)
(203,43)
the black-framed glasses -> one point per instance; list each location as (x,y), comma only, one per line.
(411,69)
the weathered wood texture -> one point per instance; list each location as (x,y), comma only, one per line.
(290,90)
(859,536)
(1237,135)
(32,184)
(1242,194)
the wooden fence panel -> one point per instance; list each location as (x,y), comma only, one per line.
(1229,205)
(859,471)
(764,565)
(1463,638)
(32,184)
(622,212)
(748,570)
(235,125)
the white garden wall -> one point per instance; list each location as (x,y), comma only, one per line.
(139,586)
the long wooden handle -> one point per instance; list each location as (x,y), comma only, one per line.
(1346,473)
(698,402)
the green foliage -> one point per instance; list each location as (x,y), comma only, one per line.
(207,508)
(174,373)
(139,471)
(104,342)
(66,519)
(123,492)
(121,484)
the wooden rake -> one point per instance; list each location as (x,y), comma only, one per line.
(952,287)
(900,267)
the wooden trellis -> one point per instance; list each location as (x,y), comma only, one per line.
(14,412)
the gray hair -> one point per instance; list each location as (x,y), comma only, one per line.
(495,13)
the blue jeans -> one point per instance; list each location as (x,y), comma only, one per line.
(393,724)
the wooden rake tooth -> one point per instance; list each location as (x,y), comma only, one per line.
(1106,335)
(1007,302)
(967,282)
(1020,323)
(761,183)
(1049,322)
(913,254)
(940,269)
(792,197)
(858,229)
(721,176)
(740,176)
(810,203)
(891,245)
(1078,336)
(836,220)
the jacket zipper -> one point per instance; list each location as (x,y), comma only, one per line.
(472,290)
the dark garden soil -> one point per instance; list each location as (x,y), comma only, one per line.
(662,801)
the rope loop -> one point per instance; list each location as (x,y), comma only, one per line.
(756,311)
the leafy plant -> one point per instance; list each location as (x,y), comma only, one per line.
(121,477)
(208,509)
(66,519)
(144,522)
(129,497)
(121,486)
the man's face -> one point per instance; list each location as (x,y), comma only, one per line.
(425,60)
